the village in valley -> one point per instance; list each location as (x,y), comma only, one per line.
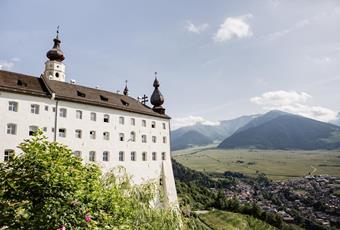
(315,197)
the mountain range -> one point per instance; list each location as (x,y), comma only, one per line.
(273,130)
(200,134)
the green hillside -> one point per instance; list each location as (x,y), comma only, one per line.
(221,220)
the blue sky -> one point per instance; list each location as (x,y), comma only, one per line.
(216,59)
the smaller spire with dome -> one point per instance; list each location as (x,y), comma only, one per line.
(157,98)
(54,68)
(56,54)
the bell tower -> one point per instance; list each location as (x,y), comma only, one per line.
(54,68)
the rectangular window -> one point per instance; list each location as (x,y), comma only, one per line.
(164,125)
(144,123)
(93,117)
(93,134)
(92,156)
(133,156)
(121,136)
(53,109)
(121,120)
(163,156)
(46,107)
(154,156)
(164,140)
(35,109)
(45,129)
(106,136)
(106,118)
(121,156)
(12,129)
(79,114)
(62,132)
(133,136)
(144,157)
(143,138)
(153,124)
(13,106)
(154,139)
(133,121)
(77,153)
(78,133)
(62,112)
(106,156)
(32,130)
(8,154)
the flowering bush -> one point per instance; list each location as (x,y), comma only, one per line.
(47,187)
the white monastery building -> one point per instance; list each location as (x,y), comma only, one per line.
(106,128)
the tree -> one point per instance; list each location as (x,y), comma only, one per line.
(47,187)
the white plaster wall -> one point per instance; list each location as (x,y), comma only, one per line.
(140,171)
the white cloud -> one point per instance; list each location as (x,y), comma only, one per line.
(236,27)
(197,29)
(8,64)
(190,120)
(293,102)
(280,98)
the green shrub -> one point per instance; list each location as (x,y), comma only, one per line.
(46,187)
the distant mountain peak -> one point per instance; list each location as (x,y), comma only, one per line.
(281,130)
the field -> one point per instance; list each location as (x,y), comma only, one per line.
(276,164)
(232,221)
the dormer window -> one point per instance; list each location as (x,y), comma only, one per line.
(80,94)
(124,103)
(104,98)
(21,83)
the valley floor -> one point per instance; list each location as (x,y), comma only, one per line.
(275,164)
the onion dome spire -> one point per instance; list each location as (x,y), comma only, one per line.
(126,90)
(55,54)
(157,98)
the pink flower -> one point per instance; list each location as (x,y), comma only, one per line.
(62,228)
(87,218)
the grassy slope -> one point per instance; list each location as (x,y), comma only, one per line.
(276,164)
(221,220)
